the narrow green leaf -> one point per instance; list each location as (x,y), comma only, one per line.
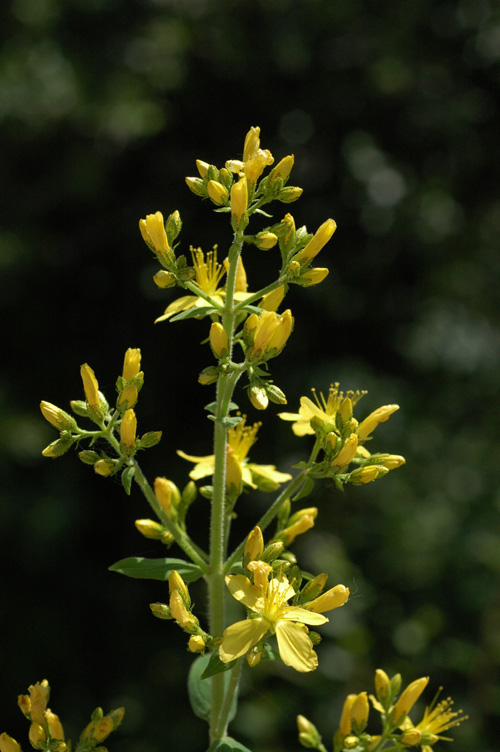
(127,477)
(215,666)
(305,490)
(156,569)
(199,311)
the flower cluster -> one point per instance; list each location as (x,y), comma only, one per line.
(398,730)
(46,730)
(342,438)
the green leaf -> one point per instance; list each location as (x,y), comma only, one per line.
(198,311)
(212,406)
(305,490)
(156,569)
(200,690)
(227,745)
(127,477)
(215,665)
(228,422)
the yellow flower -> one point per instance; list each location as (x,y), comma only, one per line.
(369,424)
(437,718)
(239,200)
(39,696)
(273,614)
(208,274)
(317,242)
(240,439)
(409,697)
(128,429)
(90,386)
(324,411)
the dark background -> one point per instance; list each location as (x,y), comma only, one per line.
(391,110)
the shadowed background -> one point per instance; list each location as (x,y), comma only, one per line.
(391,110)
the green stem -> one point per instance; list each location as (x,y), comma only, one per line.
(225,388)
(201,294)
(231,692)
(256,295)
(195,553)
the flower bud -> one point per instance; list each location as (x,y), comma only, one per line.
(90,386)
(196,186)
(359,712)
(411,737)
(333,598)
(258,397)
(202,167)
(317,242)
(219,341)
(131,363)
(382,684)
(345,717)
(347,452)
(314,276)
(289,194)
(271,301)
(57,417)
(104,467)
(150,529)
(208,376)
(168,496)
(36,735)
(282,170)
(254,545)
(266,240)
(161,610)
(196,644)
(217,193)
(252,143)
(367,474)
(128,429)
(153,232)
(239,201)
(369,424)
(408,698)
(55,725)
(8,744)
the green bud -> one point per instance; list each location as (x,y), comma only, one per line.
(80,408)
(160,610)
(88,457)
(275,394)
(149,439)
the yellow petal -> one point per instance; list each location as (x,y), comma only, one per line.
(239,638)
(243,591)
(295,647)
(295,613)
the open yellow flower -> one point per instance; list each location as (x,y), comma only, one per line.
(322,409)
(437,718)
(271,613)
(240,439)
(208,274)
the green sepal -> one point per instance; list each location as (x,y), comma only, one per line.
(200,691)
(149,439)
(79,407)
(212,406)
(227,745)
(269,654)
(214,665)
(127,478)
(156,569)
(305,490)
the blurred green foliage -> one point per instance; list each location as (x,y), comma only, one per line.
(392,112)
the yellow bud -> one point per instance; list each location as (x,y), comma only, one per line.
(150,529)
(168,496)
(254,656)
(128,396)
(128,429)
(266,240)
(55,725)
(408,698)
(345,409)
(281,332)
(313,276)
(153,232)
(132,362)
(282,169)
(317,242)
(350,742)
(90,386)
(202,167)
(104,467)
(391,461)
(163,279)
(8,744)
(175,582)
(304,726)
(359,711)
(188,621)
(345,717)
(239,199)
(307,512)
(411,737)
(57,417)
(369,424)
(24,703)
(219,341)
(196,644)
(272,300)
(367,474)
(382,684)
(254,545)
(302,525)
(39,697)
(252,142)
(347,452)
(289,194)
(333,598)
(103,728)
(196,186)
(36,734)
(217,192)
(258,397)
